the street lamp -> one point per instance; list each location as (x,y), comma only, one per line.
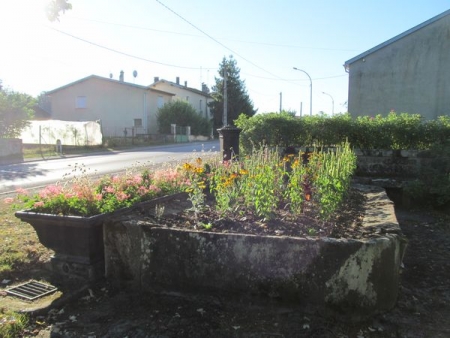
(310,90)
(332,102)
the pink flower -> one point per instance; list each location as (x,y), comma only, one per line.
(98,197)
(154,188)
(121,196)
(51,190)
(38,204)
(8,200)
(22,191)
(137,180)
(109,189)
(142,190)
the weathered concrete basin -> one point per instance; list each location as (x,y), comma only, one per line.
(351,277)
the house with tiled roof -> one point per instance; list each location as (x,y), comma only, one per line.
(197,98)
(408,73)
(118,105)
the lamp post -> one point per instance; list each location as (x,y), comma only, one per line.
(332,102)
(310,89)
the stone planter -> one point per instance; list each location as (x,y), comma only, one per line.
(350,277)
(76,241)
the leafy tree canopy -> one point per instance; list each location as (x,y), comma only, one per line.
(182,114)
(15,111)
(238,101)
(54,8)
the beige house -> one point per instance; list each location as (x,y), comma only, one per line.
(197,98)
(118,105)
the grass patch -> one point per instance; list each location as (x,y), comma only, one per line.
(12,323)
(19,244)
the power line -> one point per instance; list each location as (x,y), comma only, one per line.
(215,40)
(200,36)
(122,53)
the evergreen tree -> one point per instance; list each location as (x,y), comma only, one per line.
(238,101)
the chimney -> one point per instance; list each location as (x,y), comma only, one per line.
(121,76)
(178,80)
(185,83)
(156,79)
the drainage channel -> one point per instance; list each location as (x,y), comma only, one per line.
(31,290)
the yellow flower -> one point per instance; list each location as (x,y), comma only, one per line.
(199,170)
(187,166)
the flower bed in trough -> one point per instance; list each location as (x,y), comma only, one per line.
(350,270)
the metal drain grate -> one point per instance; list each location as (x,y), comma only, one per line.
(31,290)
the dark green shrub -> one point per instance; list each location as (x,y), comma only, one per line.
(182,114)
(393,132)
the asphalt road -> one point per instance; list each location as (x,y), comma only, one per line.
(39,173)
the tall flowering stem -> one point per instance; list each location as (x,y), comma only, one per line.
(196,184)
(332,176)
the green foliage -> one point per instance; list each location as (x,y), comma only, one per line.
(331,176)
(15,111)
(238,100)
(262,181)
(12,323)
(393,132)
(273,129)
(182,114)
(78,195)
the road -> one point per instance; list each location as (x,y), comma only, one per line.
(35,174)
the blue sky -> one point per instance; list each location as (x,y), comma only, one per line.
(188,39)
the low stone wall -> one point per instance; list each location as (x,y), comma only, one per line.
(10,150)
(345,276)
(379,163)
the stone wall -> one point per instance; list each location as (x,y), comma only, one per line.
(391,164)
(355,277)
(10,150)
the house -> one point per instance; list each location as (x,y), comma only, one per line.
(121,107)
(408,73)
(197,98)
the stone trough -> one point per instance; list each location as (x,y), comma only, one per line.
(354,278)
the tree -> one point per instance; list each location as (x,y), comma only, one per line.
(54,7)
(238,101)
(182,114)
(15,111)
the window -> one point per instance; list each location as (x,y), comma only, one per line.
(137,123)
(200,106)
(81,102)
(160,102)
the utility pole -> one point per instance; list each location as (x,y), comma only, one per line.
(225,98)
(281,101)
